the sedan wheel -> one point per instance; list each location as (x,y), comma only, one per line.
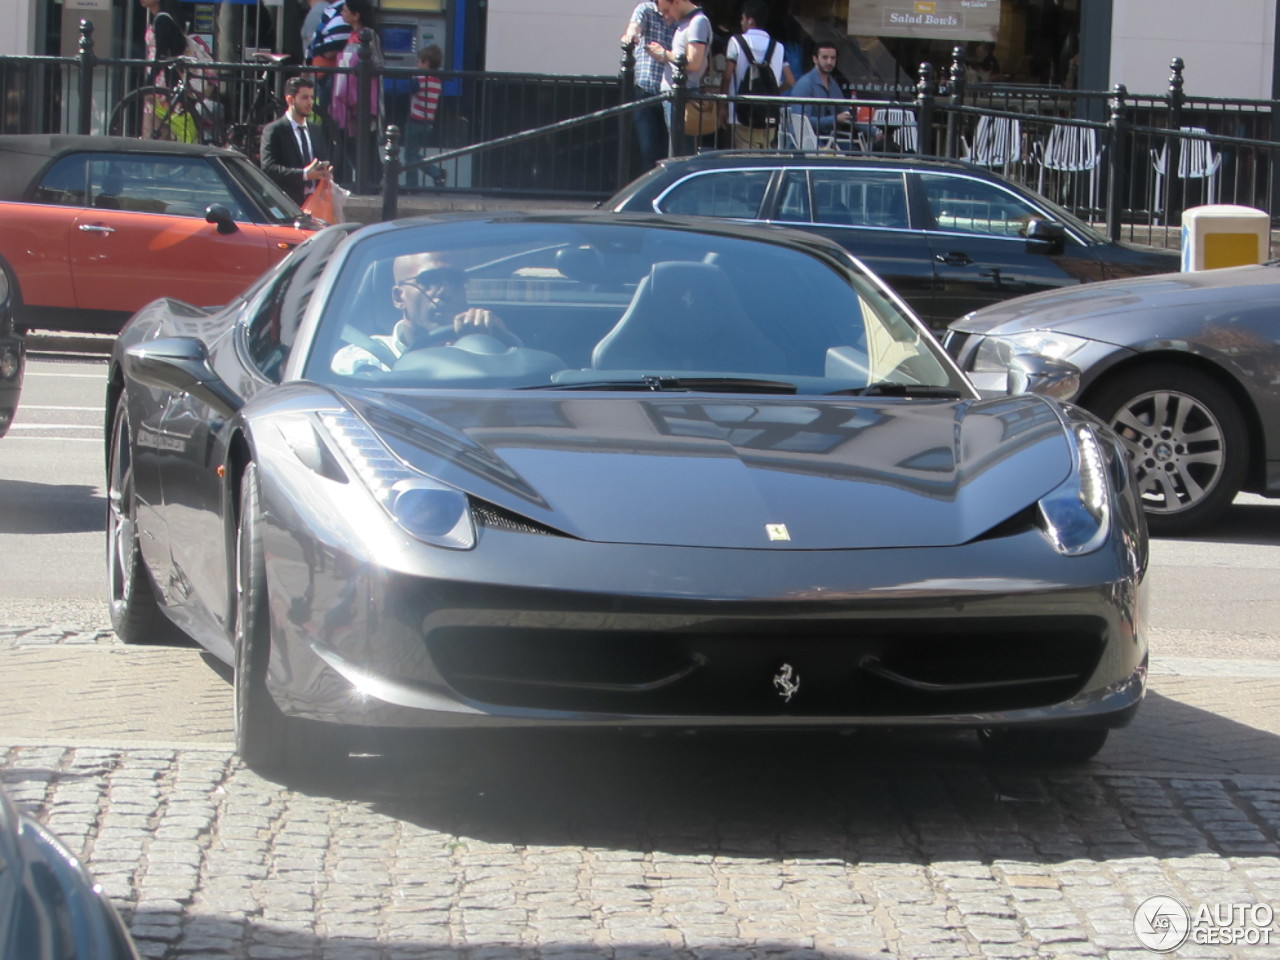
(135,615)
(1041,745)
(1186,438)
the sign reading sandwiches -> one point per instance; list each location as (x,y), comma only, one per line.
(926,19)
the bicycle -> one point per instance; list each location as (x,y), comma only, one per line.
(245,134)
(187,112)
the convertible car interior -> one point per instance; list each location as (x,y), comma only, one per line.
(584,315)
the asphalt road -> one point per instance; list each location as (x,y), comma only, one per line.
(519,847)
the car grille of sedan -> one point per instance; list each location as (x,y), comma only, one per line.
(717,668)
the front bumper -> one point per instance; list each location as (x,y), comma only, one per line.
(532,629)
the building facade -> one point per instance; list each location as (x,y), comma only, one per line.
(1092,44)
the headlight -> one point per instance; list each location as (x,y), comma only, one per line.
(994,353)
(429,510)
(1076,517)
(8,363)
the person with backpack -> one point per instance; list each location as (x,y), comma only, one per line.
(755,65)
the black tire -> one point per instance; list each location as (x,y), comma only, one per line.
(1187,440)
(128,118)
(1041,745)
(260,726)
(269,742)
(131,598)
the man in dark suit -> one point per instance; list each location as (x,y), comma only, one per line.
(293,154)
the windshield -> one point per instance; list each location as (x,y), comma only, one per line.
(607,305)
(273,201)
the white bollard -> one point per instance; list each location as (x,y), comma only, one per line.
(1224,235)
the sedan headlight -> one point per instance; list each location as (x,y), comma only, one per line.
(1076,517)
(429,510)
(994,353)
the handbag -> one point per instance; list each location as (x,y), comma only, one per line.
(700,117)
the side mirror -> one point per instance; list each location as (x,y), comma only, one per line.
(1031,373)
(216,213)
(1046,235)
(180,363)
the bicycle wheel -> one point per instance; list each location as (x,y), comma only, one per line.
(144,113)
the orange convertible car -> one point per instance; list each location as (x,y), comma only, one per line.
(96,227)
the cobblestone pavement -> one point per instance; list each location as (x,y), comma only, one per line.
(517,846)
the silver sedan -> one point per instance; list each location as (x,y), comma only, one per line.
(1184,366)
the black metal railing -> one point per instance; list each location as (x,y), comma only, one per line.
(1128,163)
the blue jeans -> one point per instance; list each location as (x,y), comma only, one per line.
(682,148)
(651,131)
(416,135)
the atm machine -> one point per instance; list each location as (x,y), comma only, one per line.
(405,27)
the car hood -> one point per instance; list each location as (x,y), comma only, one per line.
(724,472)
(1096,310)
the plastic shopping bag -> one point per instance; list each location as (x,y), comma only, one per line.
(320,204)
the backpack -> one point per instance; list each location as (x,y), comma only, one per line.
(758,82)
(201,81)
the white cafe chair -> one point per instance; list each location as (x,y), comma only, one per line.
(801,135)
(900,126)
(1071,150)
(997,142)
(1196,161)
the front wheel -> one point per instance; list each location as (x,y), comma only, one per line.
(131,599)
(259,723)
(1186,438)
(1041,745)
(270,743)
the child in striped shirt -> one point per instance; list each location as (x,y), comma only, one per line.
(422,115)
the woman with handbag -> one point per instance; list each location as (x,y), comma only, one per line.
(345,107)
(692,40)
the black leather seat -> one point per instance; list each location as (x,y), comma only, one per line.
(686,316)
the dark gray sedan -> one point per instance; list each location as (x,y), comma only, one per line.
(1184,366)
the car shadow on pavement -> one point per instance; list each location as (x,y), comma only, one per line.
(1251,521)
(744,794)
(27,508)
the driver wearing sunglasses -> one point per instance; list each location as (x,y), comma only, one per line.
(431,295)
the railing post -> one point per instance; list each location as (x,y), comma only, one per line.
(391,172)
(87,61)
(1118,131)
(364,72)
(680,83)
(1173,155)
(626,93)
(956,89)
(924,123)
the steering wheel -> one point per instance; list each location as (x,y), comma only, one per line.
(434,338)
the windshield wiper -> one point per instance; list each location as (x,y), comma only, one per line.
(659,384)
(890,388)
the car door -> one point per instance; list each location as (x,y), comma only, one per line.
(867,213)
(144,235)
(249,353)
(981,255)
